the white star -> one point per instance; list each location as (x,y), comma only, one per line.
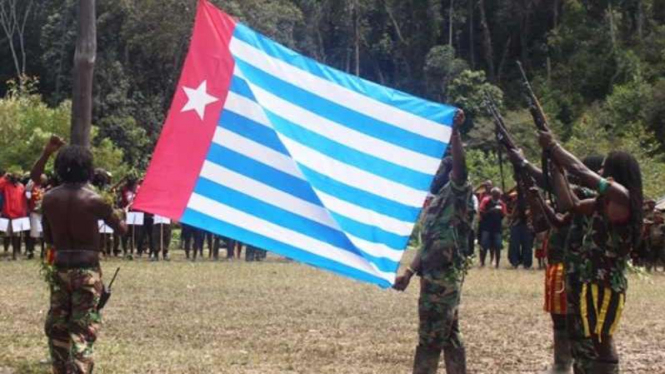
(198,99)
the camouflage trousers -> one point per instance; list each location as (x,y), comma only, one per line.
(438,308)
(582,347)
(73,321)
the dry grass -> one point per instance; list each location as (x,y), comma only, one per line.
(279,317)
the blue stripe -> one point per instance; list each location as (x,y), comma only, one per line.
(284,218)
(359,197)
(341,114)
(350,156)
(370,233)
(272,213)
(438,113)
(240,86)
(262,173)
(194,218)
(249,129)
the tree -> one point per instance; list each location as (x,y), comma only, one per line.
(84,65)
(14,15)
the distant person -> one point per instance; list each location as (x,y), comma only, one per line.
(127,195)
(161,239)
(520,246)
(101,182)
(540,244)
(14,206)
(34,194)
(71,214)
(492,211)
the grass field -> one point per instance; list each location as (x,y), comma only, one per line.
(282,317)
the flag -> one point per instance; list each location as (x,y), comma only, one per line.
(273,149)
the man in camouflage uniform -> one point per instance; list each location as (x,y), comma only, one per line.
(71,214)
(441,264)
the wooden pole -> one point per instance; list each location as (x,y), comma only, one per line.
(84,64)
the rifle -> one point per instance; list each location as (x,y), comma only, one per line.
(540,120)
(106,292)
(524,180)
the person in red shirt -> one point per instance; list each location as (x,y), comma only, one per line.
(14,206)
(492,211)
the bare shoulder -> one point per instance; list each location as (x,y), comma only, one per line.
(52,194)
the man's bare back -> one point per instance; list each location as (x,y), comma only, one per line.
(71,215)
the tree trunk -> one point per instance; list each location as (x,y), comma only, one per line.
(640,20)
(356,36)
(84,64)
(472,49)
(450,23)
(487,42)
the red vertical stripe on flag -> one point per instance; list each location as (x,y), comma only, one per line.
(193,117)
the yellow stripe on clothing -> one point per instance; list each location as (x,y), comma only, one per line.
(584,310)
(607,295)
(617,317)
(555,292)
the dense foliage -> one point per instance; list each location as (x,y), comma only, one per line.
(598,65)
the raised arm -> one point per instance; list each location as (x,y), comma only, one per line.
(617,194)
(51,147)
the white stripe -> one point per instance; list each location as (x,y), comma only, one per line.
(267,194)
(246,107)
(376,249)
(270,230)
(338,94)
(353,176)
(364,215)
(344,135)
(256,151)
(284,163)
(327,166)
(260,191)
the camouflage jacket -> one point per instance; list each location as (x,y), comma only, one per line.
(573,251)
(446,228)
(556,245)
(607,249)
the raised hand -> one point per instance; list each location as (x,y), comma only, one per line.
(545,139)
(459,119)
(53,145)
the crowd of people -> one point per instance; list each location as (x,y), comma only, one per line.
(500,213)
(21,201)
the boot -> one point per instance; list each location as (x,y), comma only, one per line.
(604,368)
(563,359)
(455,359)
(426,360)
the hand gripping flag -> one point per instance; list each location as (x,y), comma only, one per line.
(271,148)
